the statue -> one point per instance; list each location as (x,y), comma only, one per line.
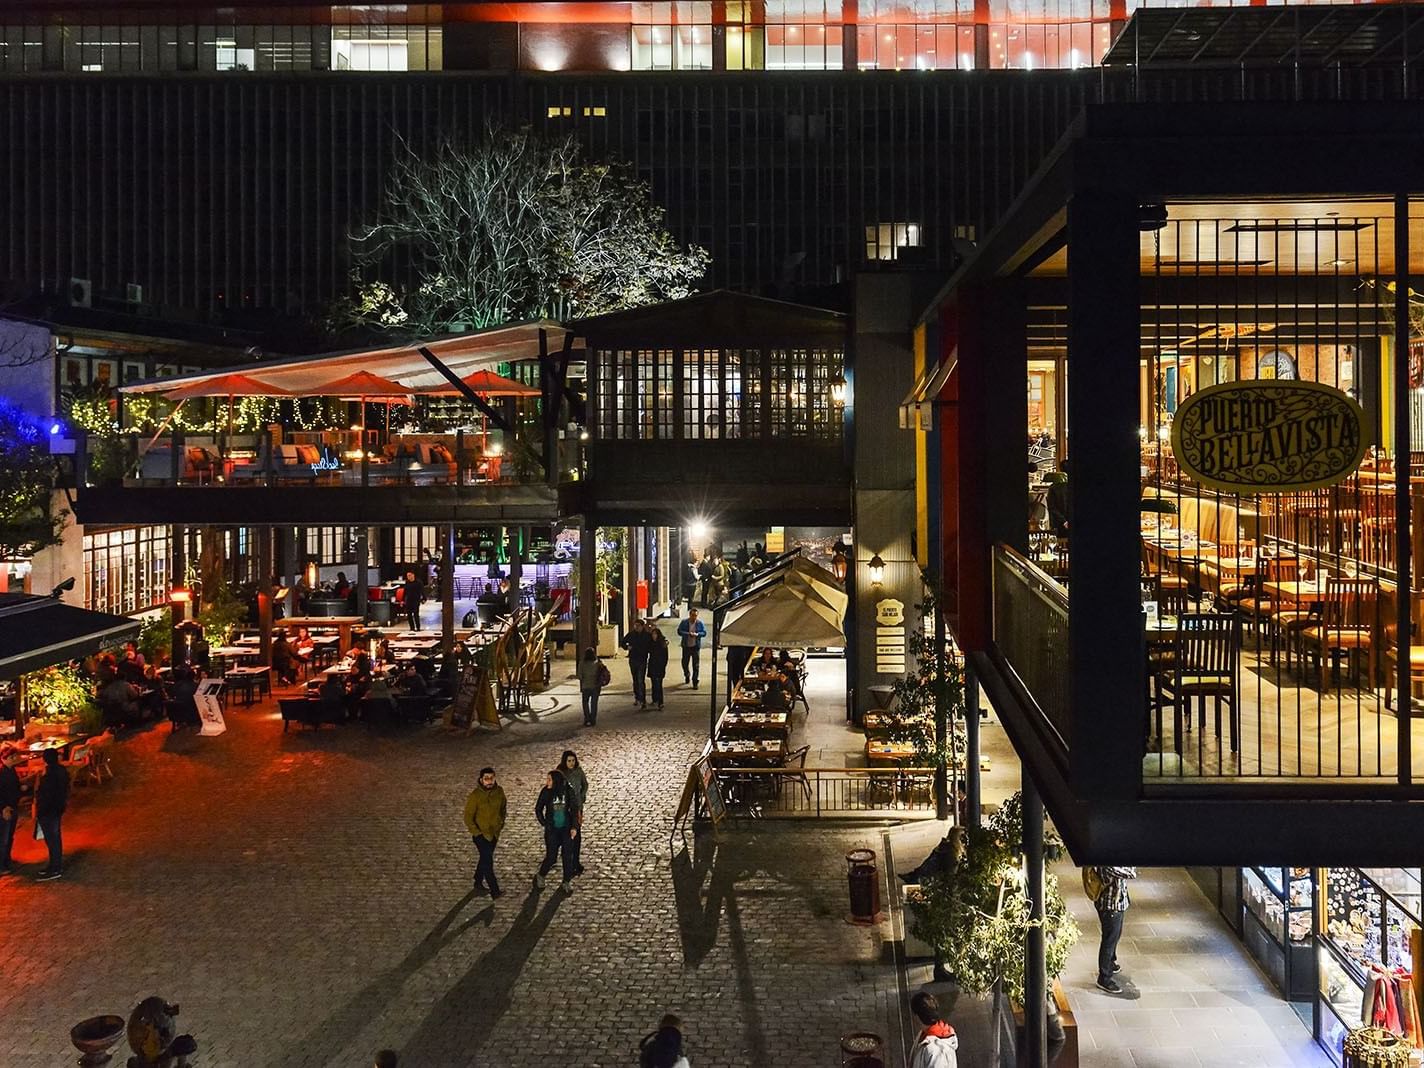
(152,1036)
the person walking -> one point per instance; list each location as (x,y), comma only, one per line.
(936,1045)
(558,813)
(657,665)
(412,593)
(593,676)
(690,633)
(663,1048)
(578,782)
(9,804)
(51,799)
(1108,889)
(485,811)
(638,642)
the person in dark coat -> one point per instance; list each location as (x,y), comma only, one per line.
(412,593)
(557,811)
(183,704)
(284,661)
(51,799)
(639,642)
(657,665)
(9,804)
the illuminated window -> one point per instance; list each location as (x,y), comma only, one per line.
(597,112)
(560,111)
(672,36)
(940,37)
(784,35)
(884,241)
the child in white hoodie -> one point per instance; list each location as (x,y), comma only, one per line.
(937,1042)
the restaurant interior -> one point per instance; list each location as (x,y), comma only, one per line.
(1296,681)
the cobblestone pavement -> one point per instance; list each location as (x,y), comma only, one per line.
(305,897)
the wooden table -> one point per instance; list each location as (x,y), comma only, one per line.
(762,752)
(1296,592)
(882,751)
(343,625)
(772,725)
(879,720)
(248,679)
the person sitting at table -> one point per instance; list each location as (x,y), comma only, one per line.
(379,694)
(131,653)
(362,671)
(383,650)
(303,646)
(284,661)
(118,702)
(130,671)
(767,662)
(342,589)
(182,704)
(412,683)
(774,698)
(332,699)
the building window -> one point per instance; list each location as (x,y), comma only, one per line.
(928,35)
(784,35)
(126,570)
(560,111)
(885,240)
(672,36)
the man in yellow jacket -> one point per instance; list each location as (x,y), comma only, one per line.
(485,810)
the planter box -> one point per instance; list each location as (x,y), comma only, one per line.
(607,641)
(35,731)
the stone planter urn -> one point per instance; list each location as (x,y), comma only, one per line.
(95,1037)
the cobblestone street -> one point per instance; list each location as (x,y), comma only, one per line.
(306,898)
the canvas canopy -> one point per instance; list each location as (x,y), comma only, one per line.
(806,608)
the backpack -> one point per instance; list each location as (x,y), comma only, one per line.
(1092,884)
(604,678)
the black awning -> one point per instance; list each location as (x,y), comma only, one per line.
(36,632)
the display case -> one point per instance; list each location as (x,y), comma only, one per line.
(1367,916)
(1277,924)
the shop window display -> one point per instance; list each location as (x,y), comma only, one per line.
(1277,925)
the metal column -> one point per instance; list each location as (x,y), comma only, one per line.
(363,554)
(587,588)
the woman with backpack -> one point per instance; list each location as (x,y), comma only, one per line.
(557,811)
(593,676)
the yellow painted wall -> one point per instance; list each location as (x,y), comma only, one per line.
(922,507)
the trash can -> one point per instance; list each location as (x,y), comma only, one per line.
(862,1049)
(864,879)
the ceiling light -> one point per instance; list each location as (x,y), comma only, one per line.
(1340,263)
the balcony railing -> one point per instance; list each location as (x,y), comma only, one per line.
(1031,635)
(841,793)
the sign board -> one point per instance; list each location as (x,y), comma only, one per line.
(775,541)
(462,710)
(711,792)
(1278,436)
(209,710)
(890,636)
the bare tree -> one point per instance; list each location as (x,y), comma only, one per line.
(513,227)
(22,344)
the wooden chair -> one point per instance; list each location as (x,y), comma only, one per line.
(1391,660)
(1205,666)
(795,772)
(99,764)
(80,763)
(1258,606)
(1347,625)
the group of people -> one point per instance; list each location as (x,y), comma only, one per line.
(647,649)
(713,576)
(51,799)
(648,655)
(559,811)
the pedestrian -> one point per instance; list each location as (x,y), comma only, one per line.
(51,799)
(704,574)
(387,1059)
(663,1048)
(412,593)
(558,813)
(721,579)
(578,782)
(657,665)
(593,676)
(638,642)
(485,811)
(690,633)
(9,804)
(1108,889)
(936,1045)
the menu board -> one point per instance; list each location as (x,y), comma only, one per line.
(462,710)
(711,792)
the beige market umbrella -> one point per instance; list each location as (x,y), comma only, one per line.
(229,386)
(487,384)
(368,388)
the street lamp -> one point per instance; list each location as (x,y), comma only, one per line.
(838,389)
(877,570)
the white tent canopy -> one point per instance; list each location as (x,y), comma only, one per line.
(806,608)
(462,353)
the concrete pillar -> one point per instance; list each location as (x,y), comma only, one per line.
(264,592)
(1035,1052)
(447,591)
(973,787)
(363,554)
(587,587)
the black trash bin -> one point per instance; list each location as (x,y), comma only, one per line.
(864,879)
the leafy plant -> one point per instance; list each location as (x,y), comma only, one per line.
(977,913)
(155,636)
(28,519)
(916,694)
(57,694)
(220,613)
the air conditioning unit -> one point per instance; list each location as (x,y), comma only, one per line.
(133,293)
(81,293)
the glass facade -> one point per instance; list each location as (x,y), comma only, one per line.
(126,570)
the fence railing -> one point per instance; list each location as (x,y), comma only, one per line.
(841,793)
(1031,634)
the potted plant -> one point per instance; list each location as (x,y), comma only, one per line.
(57,699)
(918,692)
(977,912)
(155,637)
(608,571)
(220,614)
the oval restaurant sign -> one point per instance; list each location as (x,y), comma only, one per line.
(1268,436)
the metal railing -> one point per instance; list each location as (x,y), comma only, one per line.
(1031,634)
(839,793)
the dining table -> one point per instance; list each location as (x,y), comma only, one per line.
(882,751)
(343,624)
(755,752)
(1299,591)
(766,724)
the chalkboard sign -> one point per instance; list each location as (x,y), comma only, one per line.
(711,792)
(462,711)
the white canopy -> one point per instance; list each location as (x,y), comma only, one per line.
(461,353)
(806,608)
